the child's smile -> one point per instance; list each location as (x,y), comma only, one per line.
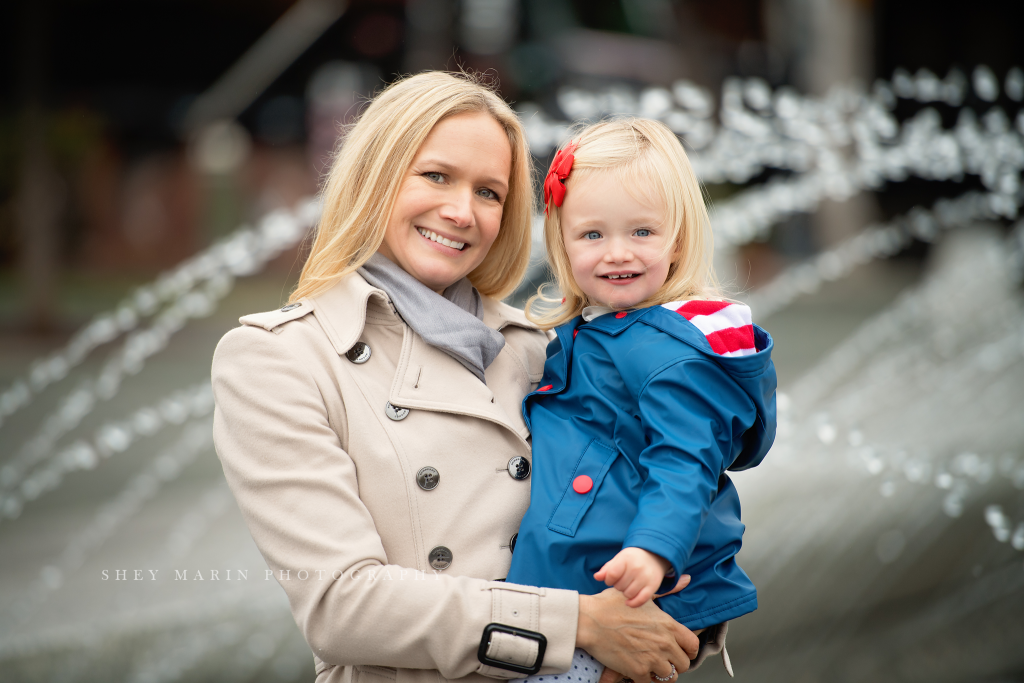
(615,241)
(620,276)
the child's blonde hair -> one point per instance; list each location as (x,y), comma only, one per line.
(650,162)
(374,158)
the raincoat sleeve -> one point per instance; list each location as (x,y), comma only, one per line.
(694,416)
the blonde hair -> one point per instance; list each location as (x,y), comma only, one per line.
(368,169)
(650,161)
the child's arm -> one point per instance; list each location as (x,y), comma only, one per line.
(694,416)
(635,572)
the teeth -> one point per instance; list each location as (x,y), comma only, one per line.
(616,277)
(434,237)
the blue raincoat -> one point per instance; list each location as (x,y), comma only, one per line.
(644,407)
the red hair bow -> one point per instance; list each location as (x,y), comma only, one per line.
(554,183)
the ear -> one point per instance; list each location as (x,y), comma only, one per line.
(677,251)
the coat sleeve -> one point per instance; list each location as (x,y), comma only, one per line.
(298,491)
(694,417)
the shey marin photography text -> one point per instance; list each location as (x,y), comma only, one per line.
(365,573)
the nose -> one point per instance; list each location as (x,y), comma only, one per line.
(618,252)
(458,209)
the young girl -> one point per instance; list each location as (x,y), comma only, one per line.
(653,388)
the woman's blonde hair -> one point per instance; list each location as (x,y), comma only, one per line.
(369,168)
(650,162)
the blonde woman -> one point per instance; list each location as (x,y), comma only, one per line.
(371,429)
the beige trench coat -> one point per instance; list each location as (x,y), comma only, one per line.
(327,483)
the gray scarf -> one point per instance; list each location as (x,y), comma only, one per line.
(452,322)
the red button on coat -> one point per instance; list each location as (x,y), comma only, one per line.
(574,333)
(620,314)
(545,388)
(582,484)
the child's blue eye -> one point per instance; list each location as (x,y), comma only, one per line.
(643,232)
(592,235)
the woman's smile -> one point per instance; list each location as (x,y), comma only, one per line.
(440,239)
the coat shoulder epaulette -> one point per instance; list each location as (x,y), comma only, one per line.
(270,320)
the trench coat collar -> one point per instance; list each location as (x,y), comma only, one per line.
(342,311)
(427,378)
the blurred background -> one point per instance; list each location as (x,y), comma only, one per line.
(159,164)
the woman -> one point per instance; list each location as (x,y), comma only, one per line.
(371,429)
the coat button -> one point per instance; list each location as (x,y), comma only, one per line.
(582,484)
(512,542)
(428,478)
(395,413)
(359,353)
(440,557)
(289,307)
(620,314)
(518,468)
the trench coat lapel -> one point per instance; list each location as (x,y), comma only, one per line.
(426,377)
(429,379)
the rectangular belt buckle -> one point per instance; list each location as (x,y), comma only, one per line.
(485,641)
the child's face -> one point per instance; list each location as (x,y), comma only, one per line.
(615,241)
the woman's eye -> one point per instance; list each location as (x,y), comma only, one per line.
(488,194)
(435,176)
(592,235)
(643,232)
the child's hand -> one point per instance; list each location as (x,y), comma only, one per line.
(636,572)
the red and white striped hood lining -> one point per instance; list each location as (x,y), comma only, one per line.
(728,326)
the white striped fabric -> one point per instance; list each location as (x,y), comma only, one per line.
(728,326)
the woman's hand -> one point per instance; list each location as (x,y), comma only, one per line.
(682,583)
(610,675)
(634,640)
